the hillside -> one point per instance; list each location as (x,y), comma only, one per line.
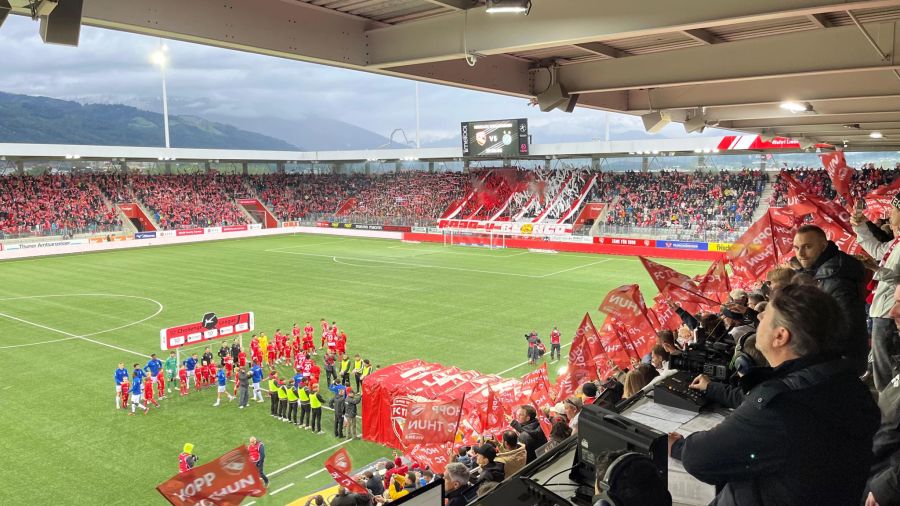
(42,120)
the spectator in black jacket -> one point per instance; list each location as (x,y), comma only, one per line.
(529,429)
(457,490)
(490,470)
(339,407)
(345,498)
(804,434)
(350,405)
(843,277)
(374,483)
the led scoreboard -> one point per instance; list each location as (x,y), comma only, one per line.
(495,139)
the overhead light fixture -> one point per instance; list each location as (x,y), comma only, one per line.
(508,7)
(876,135)
(796,107)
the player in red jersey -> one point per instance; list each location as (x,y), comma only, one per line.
(254,346)
(125,391)
(325,332)
(308,344)
(331,342)
(198,377)
(242,358)
(341,343)
(295,330)
(229,366)
(183,380)
(271,357)
(161,384)
(313,373)
(554,343)
(148,394)
(295,348)
(213,370)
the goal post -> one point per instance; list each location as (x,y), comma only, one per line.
(491,240)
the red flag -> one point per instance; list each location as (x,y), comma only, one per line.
(226,480)
(338,465)
(536,386)
(432,421)
(638,339)
(715,282)
(841,175)
(827,215)
(493,416)
(878,201)
(762,247)
(626,304)
(546,426)
(680,285)
(436,457)
(619,353)
(798,196)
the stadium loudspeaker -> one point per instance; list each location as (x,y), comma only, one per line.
(655,121)
(4,10)
(696,124)
(569,105)
(555,96)
(63,25)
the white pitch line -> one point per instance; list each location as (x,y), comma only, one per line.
(308,476)
(479,271)
(73,336)
(304,459)
(525,362)
(574,268)
(304,246)
(289,485)
(35,344)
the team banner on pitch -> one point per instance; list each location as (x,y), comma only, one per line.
(208,328)
(338,465)
(225,481)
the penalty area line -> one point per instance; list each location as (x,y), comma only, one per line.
(71,336)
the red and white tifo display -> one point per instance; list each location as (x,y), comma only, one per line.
(210,327)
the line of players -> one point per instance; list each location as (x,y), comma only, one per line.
(204,372)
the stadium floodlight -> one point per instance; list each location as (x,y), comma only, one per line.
(508,7)
(876,135)
(796,107)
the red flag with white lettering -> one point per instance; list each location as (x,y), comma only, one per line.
(841,175)
(681,286)
(626,304)
(226,480)
(762,247)
(338,465)
(436,457)
(432,421)
(620,354)
(878,201)
(715,283)
(536,385)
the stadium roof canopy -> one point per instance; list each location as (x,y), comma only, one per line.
(730,63)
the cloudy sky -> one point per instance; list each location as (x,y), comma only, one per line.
(115,67)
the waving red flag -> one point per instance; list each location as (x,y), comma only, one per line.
(618,352)
(715,282)
(338,465)
(432,421)
(762,247)
(841,175)
(226,480)
(436,457)
(878,201)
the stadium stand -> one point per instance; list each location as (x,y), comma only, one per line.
(189,201)
(865,180)
(410,195)
(294,196)
(53,205)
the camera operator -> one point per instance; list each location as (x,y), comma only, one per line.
(804,435)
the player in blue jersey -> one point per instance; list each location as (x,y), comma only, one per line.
(121,374)
(137,391)
(138,373)
(190,364)
(221,381)
(257,374)
(154,365)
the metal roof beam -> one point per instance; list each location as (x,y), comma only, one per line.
(820,20)
(553,23)
(457,5)
(602,49)
(702,35)
(736,61)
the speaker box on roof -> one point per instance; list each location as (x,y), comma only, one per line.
(63,25)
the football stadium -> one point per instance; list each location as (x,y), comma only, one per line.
(701,317)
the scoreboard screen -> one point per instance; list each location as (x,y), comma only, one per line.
(495,139)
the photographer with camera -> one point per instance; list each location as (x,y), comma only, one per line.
(804,434)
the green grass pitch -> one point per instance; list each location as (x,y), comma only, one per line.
(66,443)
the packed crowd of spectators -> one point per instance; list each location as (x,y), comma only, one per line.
(191,201)
(293,196)
(865,179)
(694,200)
(411,195)
(53,205)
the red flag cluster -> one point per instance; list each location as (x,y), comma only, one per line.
(338,466)
(432,421)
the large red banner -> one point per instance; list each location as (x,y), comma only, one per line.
(432,422)
(762,247)
(338,465)
(226,480)
(841,175)
(208,328)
